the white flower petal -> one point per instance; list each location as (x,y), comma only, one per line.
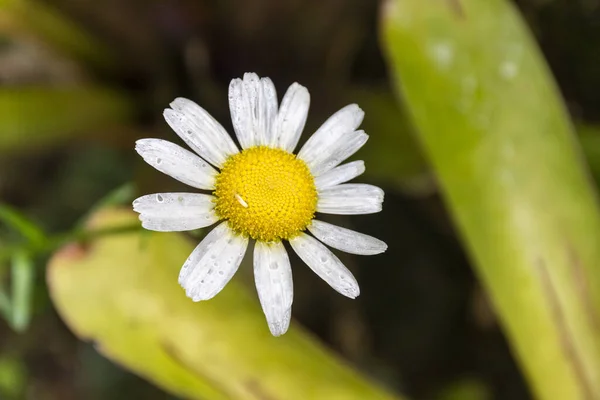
(340,174)
(345,239)
(350,198)
(200,131)
(212,263)
(273,278)
(330,135)
(291,118)
(177,162)
(337,152)
(253,106)
(174,212)
(325,264)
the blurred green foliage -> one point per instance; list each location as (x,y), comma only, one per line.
(121,292)
(491,121)
(34,117)
(478,114)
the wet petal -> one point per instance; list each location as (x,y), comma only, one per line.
(253,107)
(273,278)
(171,212)
(200,131)
(350,198)
(340,174)
(291,118)
(212,263)
(346,239)
(177,162)
(325,264)
(323,146)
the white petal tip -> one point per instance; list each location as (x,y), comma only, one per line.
(141,142)
(199,298)
(179,103)
(358,112)
(383,248)
(251,76)
(277,330)
(281,326)
(352,293)
(194,295)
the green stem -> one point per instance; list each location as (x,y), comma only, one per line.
(59,240)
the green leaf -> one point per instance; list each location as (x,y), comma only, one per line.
(35,117)
(121,292)
(22,281)
(494,128)
(122,195)
(22,224)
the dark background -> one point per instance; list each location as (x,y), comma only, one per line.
(422,326)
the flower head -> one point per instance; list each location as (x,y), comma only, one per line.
(264,192)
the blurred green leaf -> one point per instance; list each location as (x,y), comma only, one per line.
(22,224)
(34,117)
(492,124)
(22,281)
(122,195)
(121,292)
(37,18)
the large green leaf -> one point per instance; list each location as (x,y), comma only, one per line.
(496,132)
(122,293)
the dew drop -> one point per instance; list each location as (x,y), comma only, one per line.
(158,161)
(159,198)
(508,69)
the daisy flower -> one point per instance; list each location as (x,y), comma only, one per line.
(264,192)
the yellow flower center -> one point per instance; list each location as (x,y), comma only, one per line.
(265,193)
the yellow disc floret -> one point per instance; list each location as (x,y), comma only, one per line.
(265,193)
